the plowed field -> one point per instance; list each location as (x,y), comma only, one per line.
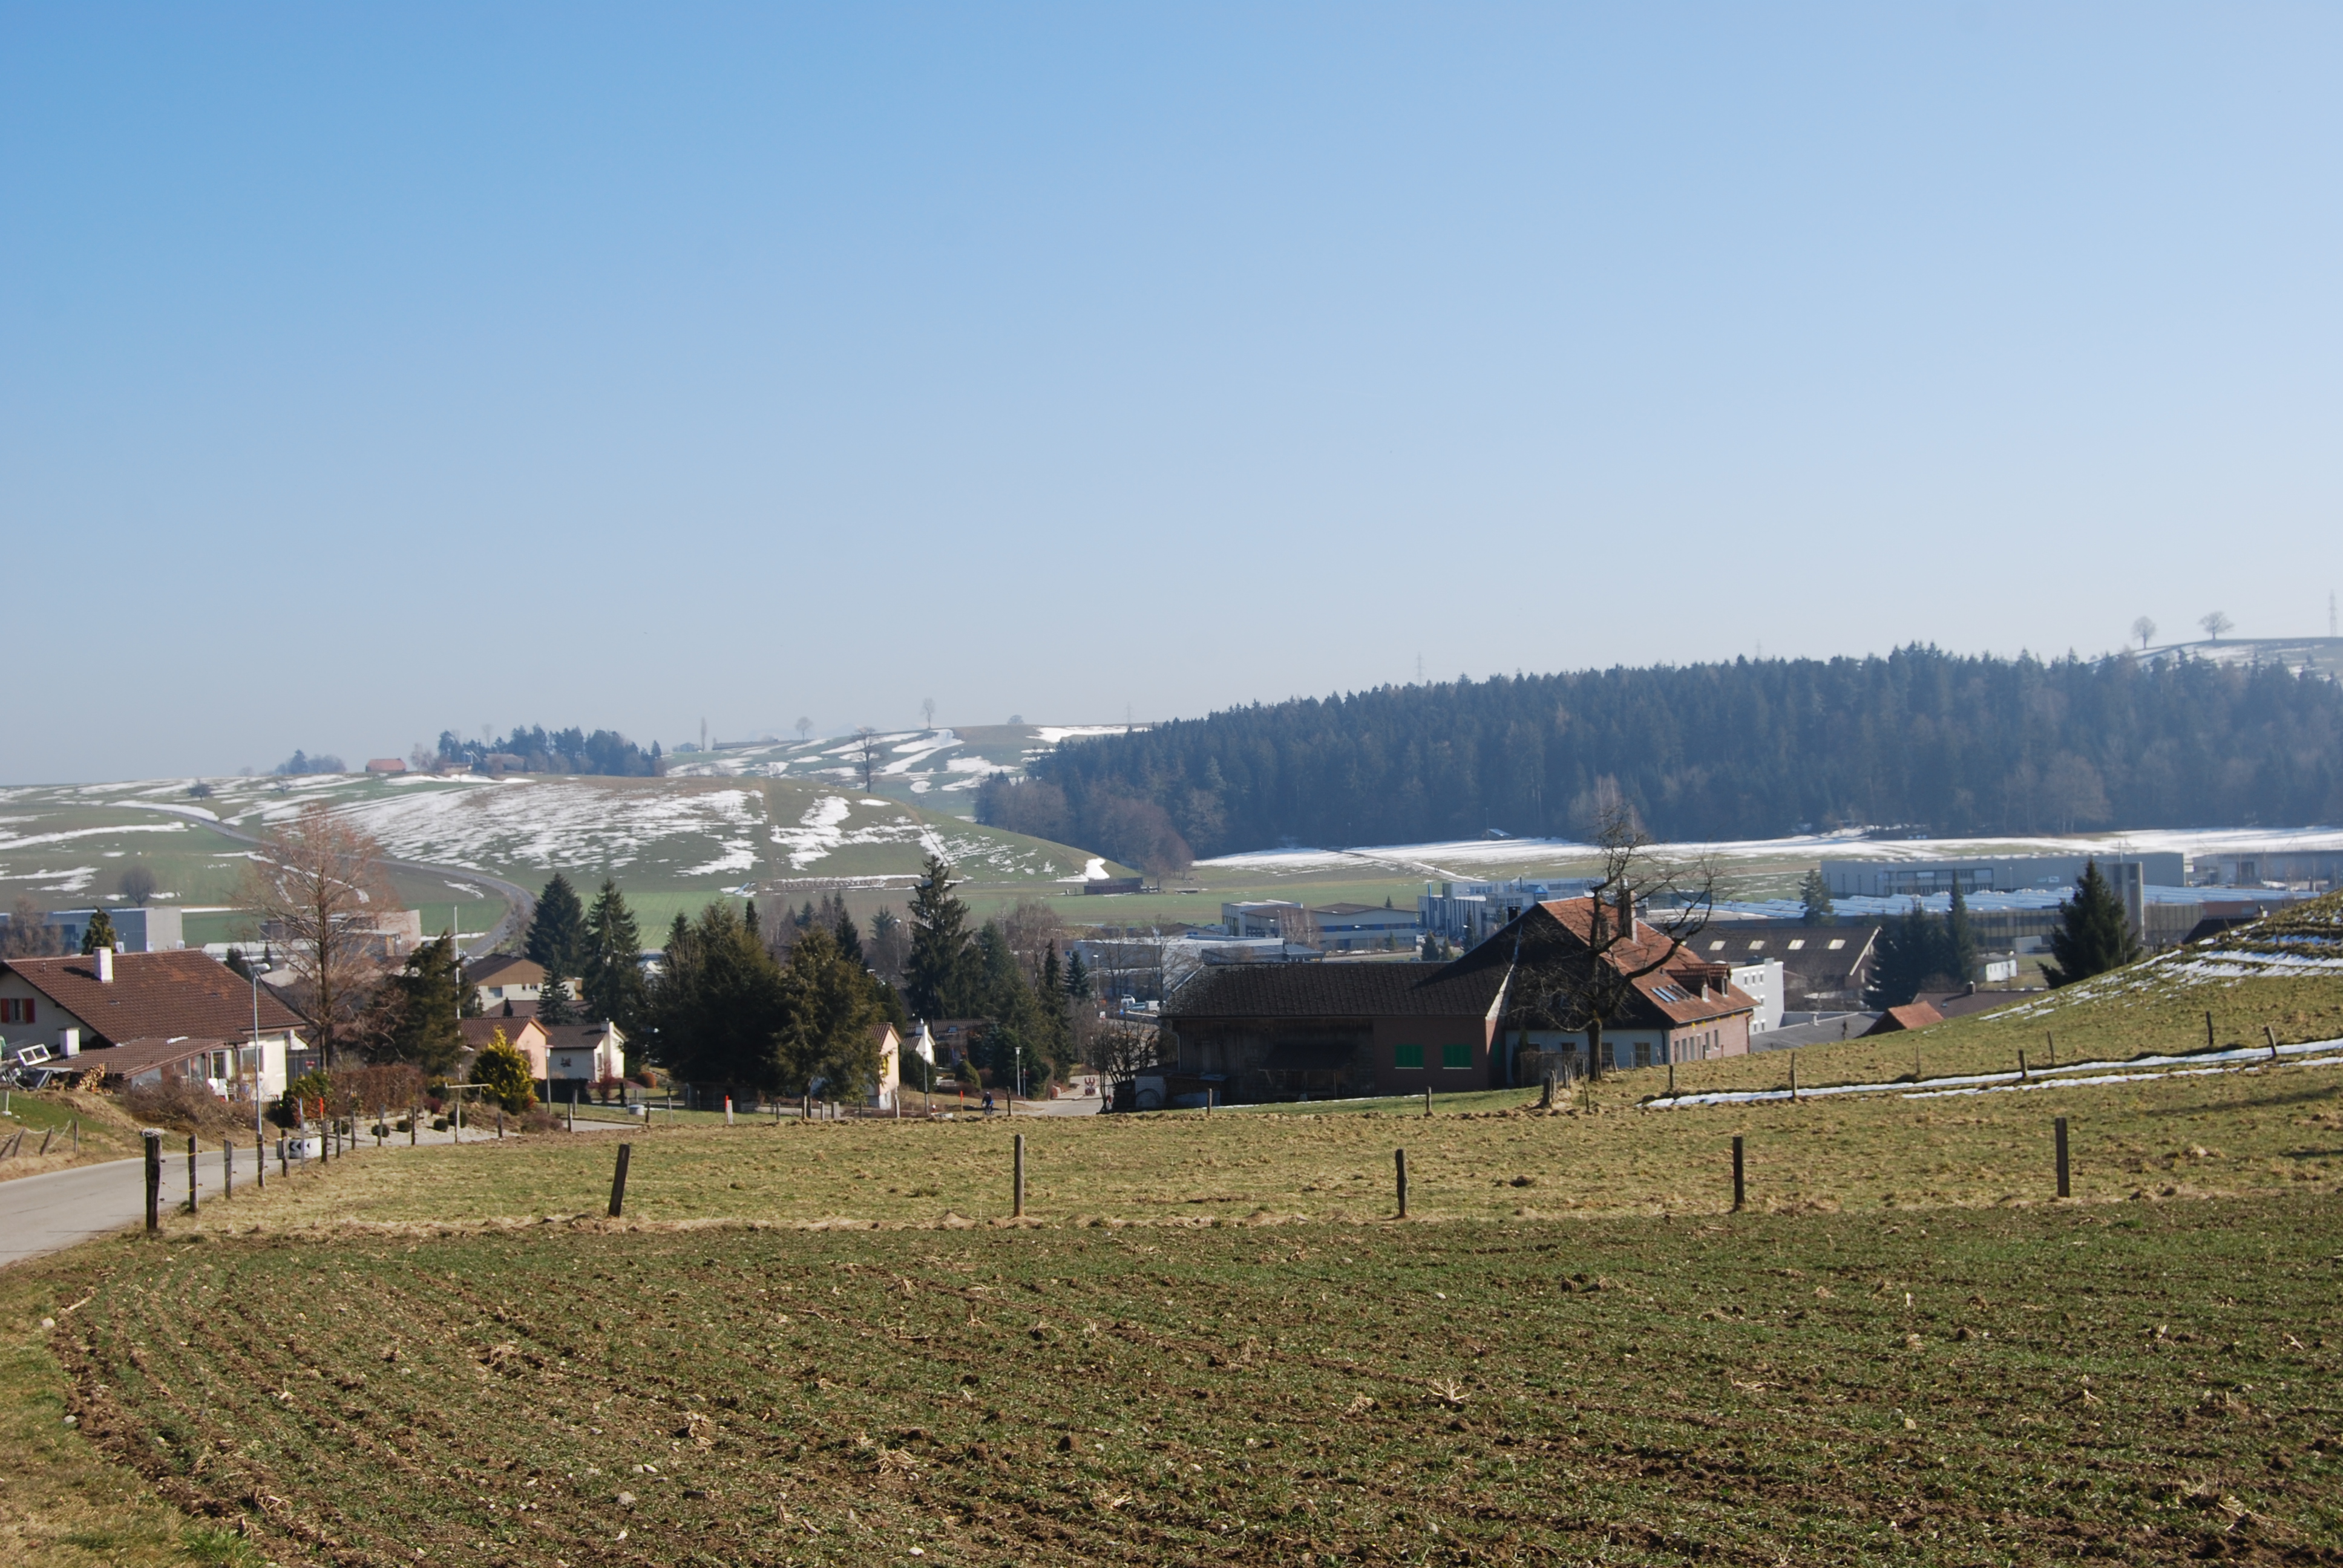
(2136,1381)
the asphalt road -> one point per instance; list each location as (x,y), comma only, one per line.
(45,1213)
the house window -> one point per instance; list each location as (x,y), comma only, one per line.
(1456,1056)
(1642,1053)
(1797,942)
(1836,943)
(1407,1056)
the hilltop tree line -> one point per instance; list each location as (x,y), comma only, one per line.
(536,750)
(1948,744)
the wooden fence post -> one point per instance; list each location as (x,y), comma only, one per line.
(1740,1190)
(2271,1035)
(2023,1075)
(1427,1099)
(619,1182)
(1017,1209)
(228,1169)
(153,1180)
(191,1172)
(1794,1077)
(1399,1165)
(2060,1132)
(260,1162)
(2209,1031)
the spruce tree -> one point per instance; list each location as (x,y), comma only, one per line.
(554,1005)
(100,933)
(1960,945)
(613,988)
(1815,894)
(425,1030)
(936,979)
(849,938)
(2094,934)
(1910,954)
(1078,978)
(556,932)
(827,1015)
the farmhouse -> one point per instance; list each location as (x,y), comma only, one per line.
(1287,1032)
(101,1000)
(578,1056)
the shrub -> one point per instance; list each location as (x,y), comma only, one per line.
(184,1107)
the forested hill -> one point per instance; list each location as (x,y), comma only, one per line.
(1746,749)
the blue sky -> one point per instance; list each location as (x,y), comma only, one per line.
(365,371)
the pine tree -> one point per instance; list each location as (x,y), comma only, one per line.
(716,1010)
(749,918)
(828,1013)
(936,979)
(554,1006)
(849,938)
(1815,894)
(100,933)
(556,932)
(2094,934)
(614,991)
(1910,954)
(423,1028)
(1960,944)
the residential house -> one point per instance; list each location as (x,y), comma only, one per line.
(501,978)
(181,1059)
(522,1033)
(102,1001)
(578,1056)
(891,1067)
(385,765)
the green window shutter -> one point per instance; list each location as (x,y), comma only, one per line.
(1407,1056)
(1456,1056)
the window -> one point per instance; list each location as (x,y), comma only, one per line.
(1717,946)
(1642,1053)
(1456,1056)
(1797,942)
(1836,943)
(1407,1056)
(1758,946)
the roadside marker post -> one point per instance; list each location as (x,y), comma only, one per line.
(1399,1167)
(1018,1198)
(154,1138)
(2059,1133)
(619,1182)
(1740,1188)
(728,1114)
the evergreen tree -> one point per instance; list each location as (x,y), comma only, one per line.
(1960,949)
(236,965)
(100,933)
(554,1007)
(2094,934)
(556,932)
(423,1025)
(1815,894)
(716,1010)
(1078,978)
(1910,954)
(936,979)
(827,1011)
(749,918)
(614,990)
(849,937)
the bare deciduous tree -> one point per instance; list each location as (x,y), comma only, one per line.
(137,884)
(1031,928)
(317,886)
(28,934)
(804,731)
(868,750)
(928,710)
(2216,624)
(2143,629)
(1585,979)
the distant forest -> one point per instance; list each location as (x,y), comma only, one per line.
(1754,748)
(540,750)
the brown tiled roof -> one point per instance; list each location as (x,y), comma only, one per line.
(155,995)
(504,969)
(1669,996)
(1911,1015)
(478,1033)
(139,1055)
(574,1036)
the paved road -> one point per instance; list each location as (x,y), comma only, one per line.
(44,1214)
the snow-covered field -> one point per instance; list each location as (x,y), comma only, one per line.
(1466,858)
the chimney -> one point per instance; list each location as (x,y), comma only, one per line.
(1627,912)
(69,1041)
(105,957)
